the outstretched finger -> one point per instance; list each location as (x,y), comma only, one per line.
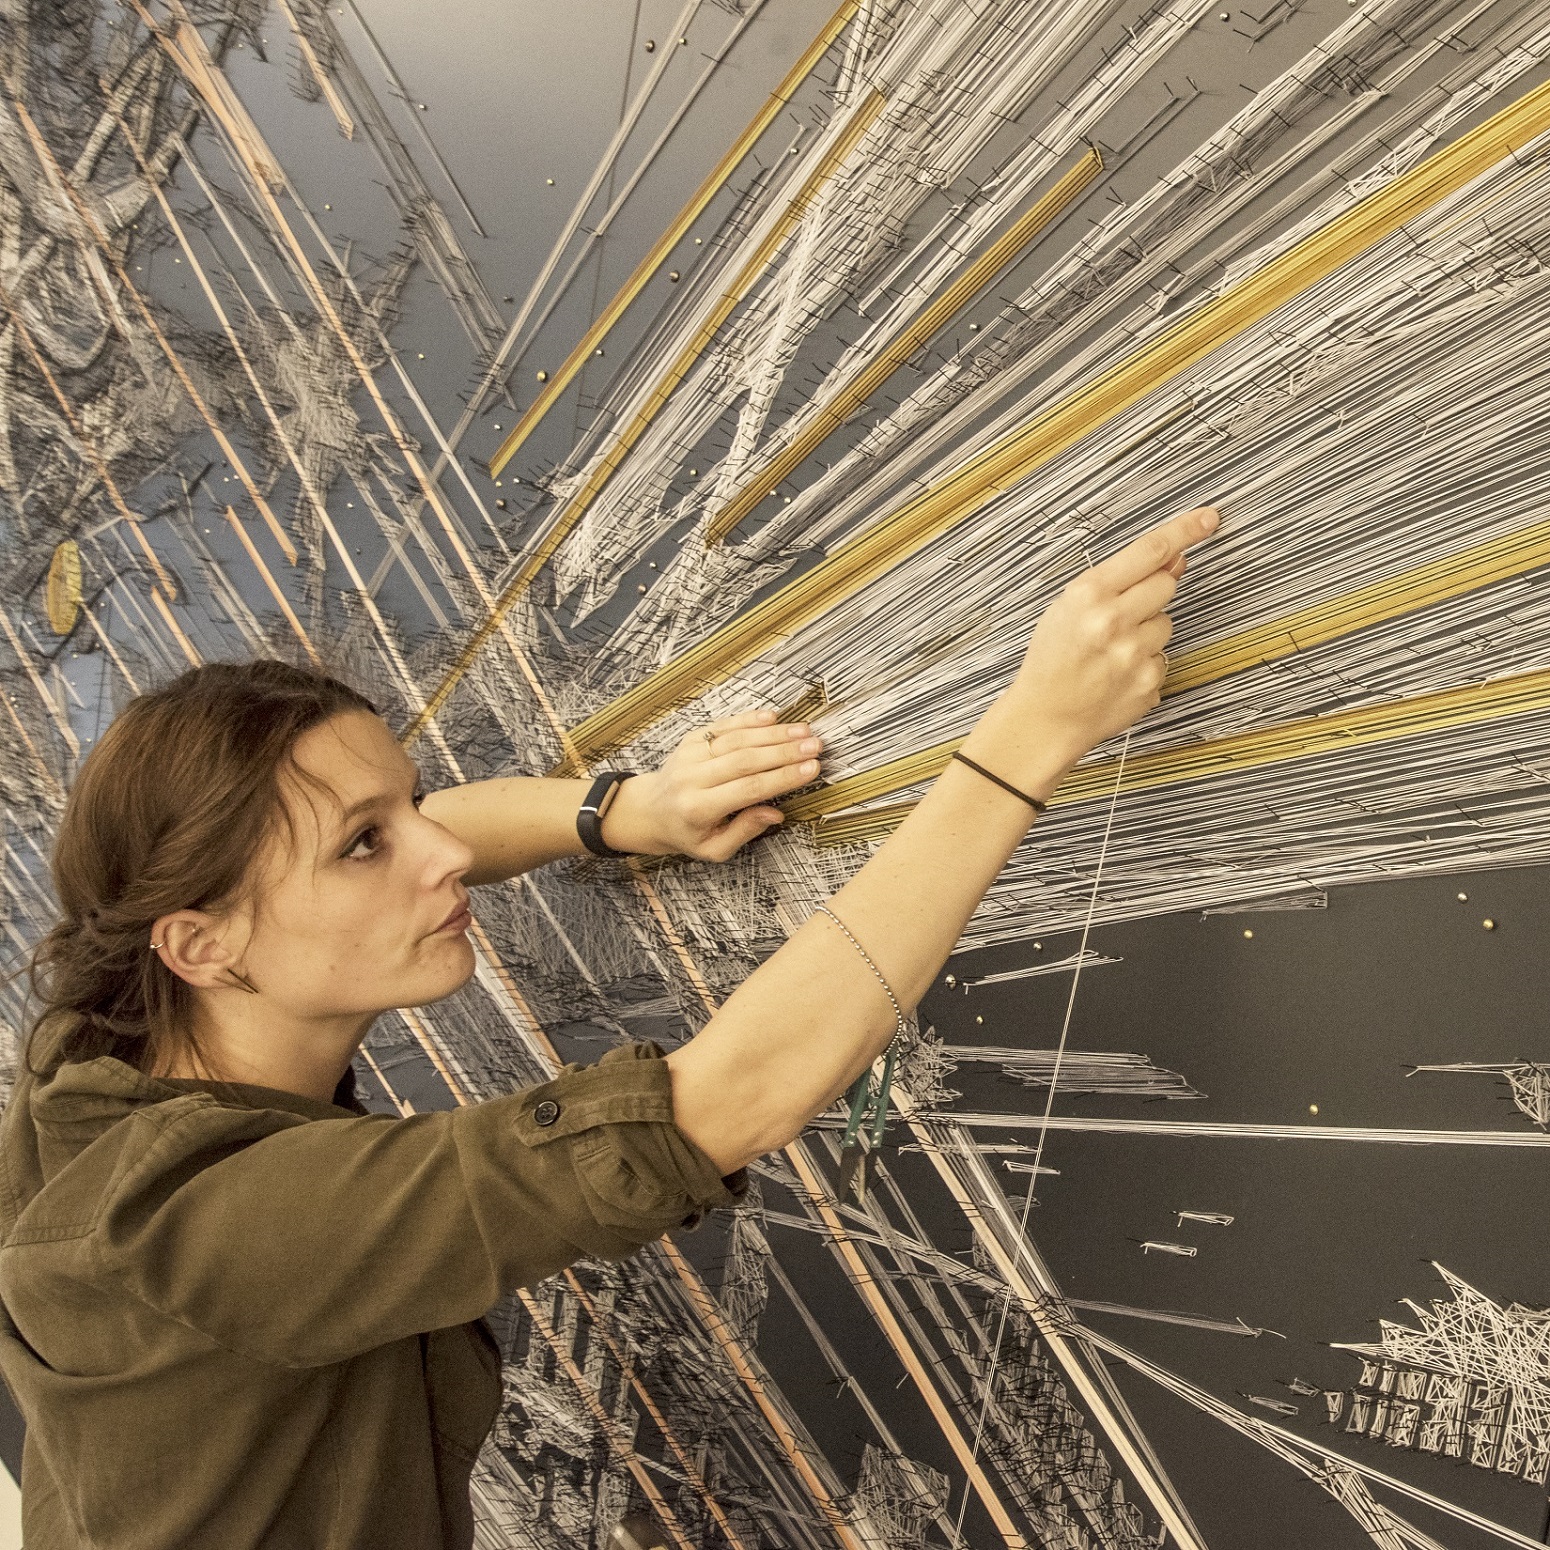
(724,769)
(1154,551)
(763,788)
(1146,599)
(740,739)
(1153,635)
(747,718)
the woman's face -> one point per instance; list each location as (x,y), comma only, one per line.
(364,909)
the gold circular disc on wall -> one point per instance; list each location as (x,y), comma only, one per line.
(64,587)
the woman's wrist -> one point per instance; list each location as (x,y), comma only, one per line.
(1025,749)
(630,821)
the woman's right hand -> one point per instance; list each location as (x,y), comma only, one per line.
(1095,662)
(812,1017)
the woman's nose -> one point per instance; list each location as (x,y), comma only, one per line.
(460,856)
(449,856)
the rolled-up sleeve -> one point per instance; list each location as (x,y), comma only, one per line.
(324,1238)
(635,1174)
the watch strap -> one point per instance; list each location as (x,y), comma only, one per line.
(589,821)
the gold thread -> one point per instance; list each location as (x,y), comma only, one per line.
(670,239)
(1497,559)
(974,279)
(1309,738)
(572,512)
(855,564)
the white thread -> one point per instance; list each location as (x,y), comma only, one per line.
(1049,1106)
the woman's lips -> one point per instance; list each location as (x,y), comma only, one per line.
(459,920)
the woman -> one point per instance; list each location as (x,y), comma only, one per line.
(241,1312)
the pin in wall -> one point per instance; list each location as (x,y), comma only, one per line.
(651,45)
(1463,898)
(598,350)
(1313,1108)
(950,981)
(1249,935)
(979,1019)
(640,586)
(674,276)
(1490,925)
(549,181)
(543,376)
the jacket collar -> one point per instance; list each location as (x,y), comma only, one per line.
(107,1088)
(250,1096)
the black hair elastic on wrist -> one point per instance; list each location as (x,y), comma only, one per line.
(1022,796)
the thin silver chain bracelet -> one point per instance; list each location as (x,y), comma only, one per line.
(903,1023)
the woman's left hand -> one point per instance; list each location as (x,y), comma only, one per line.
(714,791)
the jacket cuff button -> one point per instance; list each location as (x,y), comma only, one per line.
(546,1112)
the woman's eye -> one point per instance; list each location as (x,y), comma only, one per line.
(365,846)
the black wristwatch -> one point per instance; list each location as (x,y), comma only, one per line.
(589,821)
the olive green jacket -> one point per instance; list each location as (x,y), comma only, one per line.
(234,1317)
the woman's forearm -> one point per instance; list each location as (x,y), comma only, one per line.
(511,825)
(801,1029)
(832,1015)
(713,794)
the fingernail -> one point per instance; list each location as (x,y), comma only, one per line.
(799,729)
(1208,519)
(809,766)
(812,745)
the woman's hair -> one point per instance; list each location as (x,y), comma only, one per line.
(171,811)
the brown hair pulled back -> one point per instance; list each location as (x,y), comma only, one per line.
(169,812)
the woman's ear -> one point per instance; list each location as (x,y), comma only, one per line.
(193,945)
